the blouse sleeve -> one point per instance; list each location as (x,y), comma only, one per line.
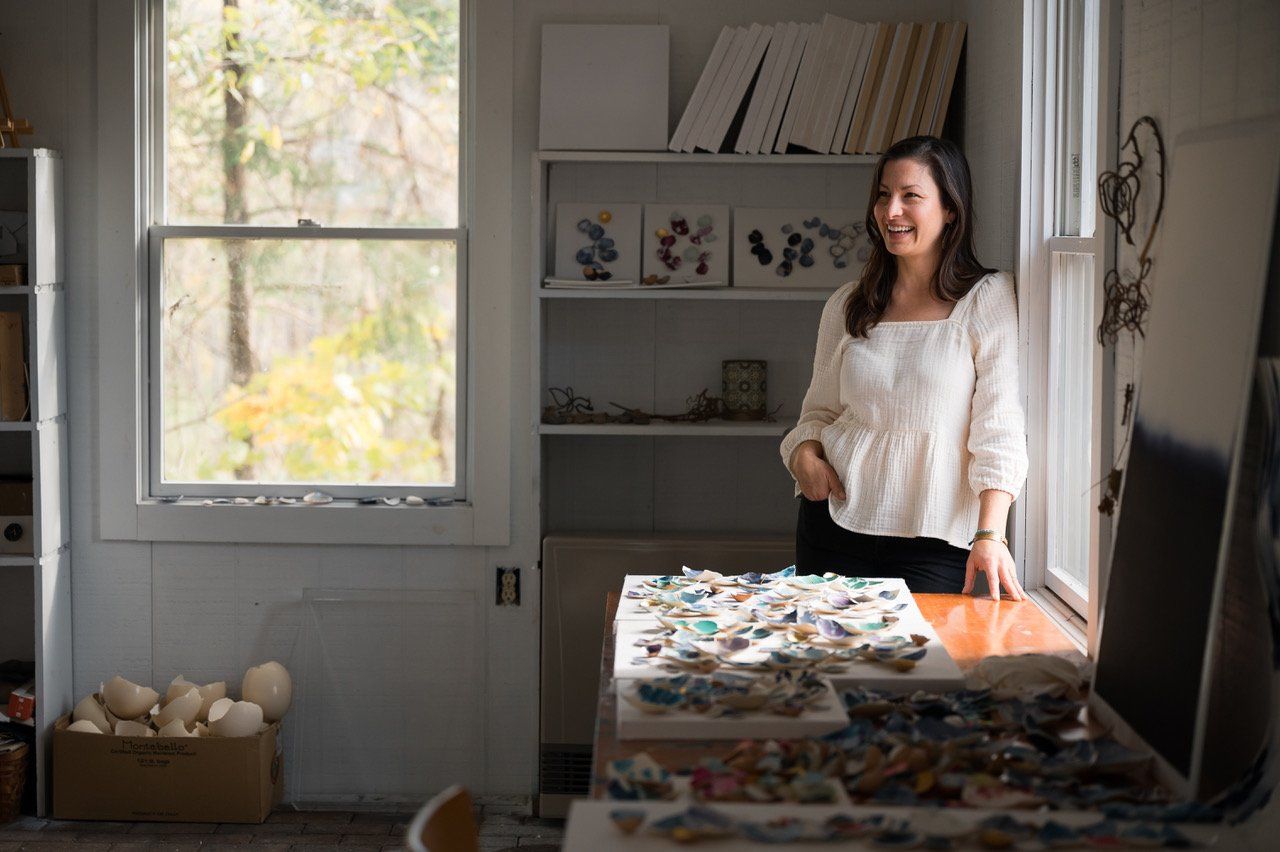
(821,404)
(997,429)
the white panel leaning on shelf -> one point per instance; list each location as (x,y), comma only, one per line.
(686,244)
(815,248)
(597,245)
(835,86)
(629,62)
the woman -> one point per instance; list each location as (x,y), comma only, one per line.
(911,443)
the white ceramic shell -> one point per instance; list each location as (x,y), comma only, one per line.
(210,693)
(218,708)
(130,728)
(128,700)
(178,686)
(89,710)
(241,719)
(175,728)
(84,726)
(181,709)
(270,687)
(202,730)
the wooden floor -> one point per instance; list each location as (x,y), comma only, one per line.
(501,828)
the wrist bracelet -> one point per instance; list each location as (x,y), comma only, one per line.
(989,535)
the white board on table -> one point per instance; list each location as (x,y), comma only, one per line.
(826,717)
(935,672)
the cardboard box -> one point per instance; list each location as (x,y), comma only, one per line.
(178,779)
(22,702)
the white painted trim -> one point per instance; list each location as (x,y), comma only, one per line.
(121,131)
(303,232)
(484,315)
(1103,435)
(1039,242)
(1062,615)
(1033,271)
(1071,245)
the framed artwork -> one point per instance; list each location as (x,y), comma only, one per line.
(818,248)
(686,244)
(596,244)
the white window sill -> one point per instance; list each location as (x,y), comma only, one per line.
(1069,622)
(335,523)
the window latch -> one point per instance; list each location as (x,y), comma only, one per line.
(309,223)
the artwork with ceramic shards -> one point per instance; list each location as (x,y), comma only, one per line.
(804,248)
(596,244)
(685,245)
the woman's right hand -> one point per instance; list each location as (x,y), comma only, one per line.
(817,479)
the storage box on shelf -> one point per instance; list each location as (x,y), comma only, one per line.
(35,563)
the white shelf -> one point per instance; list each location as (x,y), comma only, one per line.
(9,561)
(709,428)
(720,294)
(735,159)
(15,289)
(16,425)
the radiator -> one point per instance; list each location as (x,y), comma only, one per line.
(578,571)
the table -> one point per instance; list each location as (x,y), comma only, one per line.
(970,628)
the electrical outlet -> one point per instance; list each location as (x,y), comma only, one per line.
(508,587)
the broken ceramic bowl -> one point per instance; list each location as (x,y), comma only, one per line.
(89,710)
(128,700)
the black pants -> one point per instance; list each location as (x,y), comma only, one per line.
(927,564)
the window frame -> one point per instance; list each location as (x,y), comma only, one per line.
(128,174)
(1041,177)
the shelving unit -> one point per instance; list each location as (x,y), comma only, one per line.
(655,348)
(36,448)
(711,428)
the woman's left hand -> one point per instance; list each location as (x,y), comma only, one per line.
(995,560)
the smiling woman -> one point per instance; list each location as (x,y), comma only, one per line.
(910,445)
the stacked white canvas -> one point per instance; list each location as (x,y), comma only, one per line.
(836,86)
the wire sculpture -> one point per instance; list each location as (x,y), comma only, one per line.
(1126,297)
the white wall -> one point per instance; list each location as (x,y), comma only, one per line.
(1189,64)
(150,612)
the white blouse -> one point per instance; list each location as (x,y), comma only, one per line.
(919,417)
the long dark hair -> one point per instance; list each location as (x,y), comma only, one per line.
(959,269)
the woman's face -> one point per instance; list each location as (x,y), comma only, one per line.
(909,209)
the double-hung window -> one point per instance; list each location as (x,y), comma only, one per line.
(305,251)
(1064,258)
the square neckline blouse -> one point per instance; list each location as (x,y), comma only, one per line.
(916,438)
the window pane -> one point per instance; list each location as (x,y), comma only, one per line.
(1070,117)
(308,361)
(1071,416)
(340,111)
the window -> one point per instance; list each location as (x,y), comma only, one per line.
(305,305)
(366,261)
(1065,253)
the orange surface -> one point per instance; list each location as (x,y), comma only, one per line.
(970,628)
